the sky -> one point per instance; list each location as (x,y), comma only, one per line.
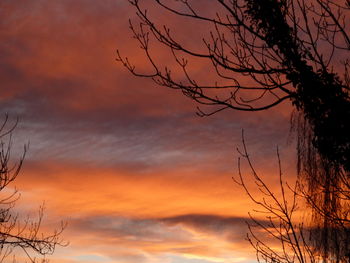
(131,168)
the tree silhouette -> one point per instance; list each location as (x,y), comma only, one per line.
(18,234)
(326,188)
(264,53)
(284,49)
(278,231)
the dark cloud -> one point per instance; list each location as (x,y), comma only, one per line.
(163,229)
(129,229)
(233,228)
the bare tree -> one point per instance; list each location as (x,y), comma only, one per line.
(279,231)
(263,53)
(17,233)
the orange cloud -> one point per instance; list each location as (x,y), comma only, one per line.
(166,193)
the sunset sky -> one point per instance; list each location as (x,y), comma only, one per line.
(131,168)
